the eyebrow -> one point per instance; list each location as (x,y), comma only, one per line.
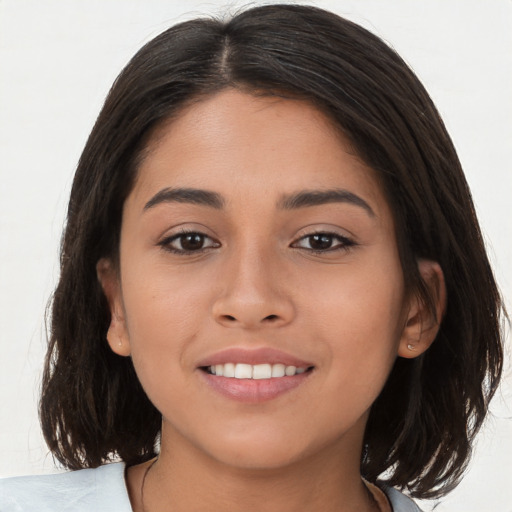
(303,199)
(308,198)
(186,195)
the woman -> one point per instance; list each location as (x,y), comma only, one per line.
(270,226)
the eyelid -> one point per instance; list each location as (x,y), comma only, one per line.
(318,228)
(344,242)
(165,242)
(347,242)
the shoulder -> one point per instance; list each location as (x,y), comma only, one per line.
(400,502)
(86,490)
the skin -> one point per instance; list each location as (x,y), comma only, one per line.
(257,283)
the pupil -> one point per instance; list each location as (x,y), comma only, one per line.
(320,241)
(192,242)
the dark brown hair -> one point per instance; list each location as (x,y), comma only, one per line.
(420,429)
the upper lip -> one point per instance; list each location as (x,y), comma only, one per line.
(254,356)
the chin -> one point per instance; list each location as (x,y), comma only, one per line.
(260,450)
(254,458)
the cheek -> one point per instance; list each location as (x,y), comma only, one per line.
(358,314)
(163,321)
(357,298)
(164,309)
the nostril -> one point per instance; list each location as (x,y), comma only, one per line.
(248,320)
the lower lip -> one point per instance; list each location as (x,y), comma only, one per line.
(254,390)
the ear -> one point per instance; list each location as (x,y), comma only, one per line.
(422,324)
(117,334)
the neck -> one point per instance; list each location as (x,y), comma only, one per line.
(184,479)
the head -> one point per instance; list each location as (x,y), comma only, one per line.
(421,424)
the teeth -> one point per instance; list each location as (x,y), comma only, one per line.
(262,371)
(258,371)
(229,370)
(278,370)
(243,371)
(290,370)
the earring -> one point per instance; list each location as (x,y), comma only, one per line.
(119,340)
(410,346)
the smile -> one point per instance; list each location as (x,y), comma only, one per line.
(254,375)
(256,372)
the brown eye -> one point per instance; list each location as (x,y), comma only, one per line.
(323,242)
(191,241)
(320,242)
(184,243)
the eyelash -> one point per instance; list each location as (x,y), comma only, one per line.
(345,243)
(166,243)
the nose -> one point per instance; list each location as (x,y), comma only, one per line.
(252,292)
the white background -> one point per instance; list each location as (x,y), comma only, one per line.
(57,61)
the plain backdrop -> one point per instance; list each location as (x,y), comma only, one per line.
(58,59)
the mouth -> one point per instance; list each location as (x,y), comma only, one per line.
(255,372)
(254,375)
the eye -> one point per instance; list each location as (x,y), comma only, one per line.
(188,242)
(323,242)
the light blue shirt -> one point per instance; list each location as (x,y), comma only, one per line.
(88,490)
(97,490)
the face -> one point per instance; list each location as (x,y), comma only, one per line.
(256,243)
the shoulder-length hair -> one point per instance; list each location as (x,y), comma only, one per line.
(420,428)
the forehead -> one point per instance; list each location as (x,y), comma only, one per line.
(239,144)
